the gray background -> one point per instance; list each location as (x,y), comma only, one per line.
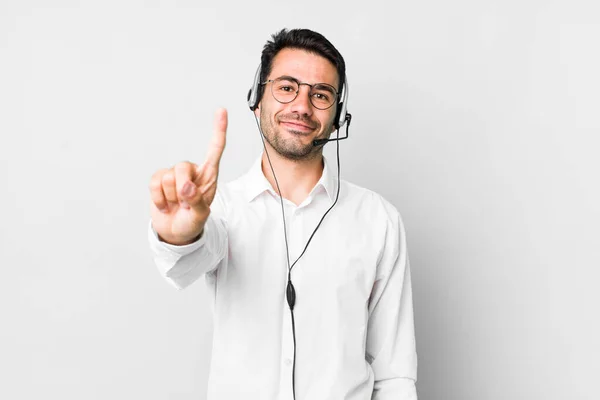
(477,119)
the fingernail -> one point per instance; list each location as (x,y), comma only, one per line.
(188,189)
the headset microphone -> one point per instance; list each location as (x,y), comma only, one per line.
(318,142)
(348,119)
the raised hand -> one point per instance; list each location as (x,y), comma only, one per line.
(181,196)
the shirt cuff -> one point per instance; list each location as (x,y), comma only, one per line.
(179,250)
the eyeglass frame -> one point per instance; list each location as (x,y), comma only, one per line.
(291,78)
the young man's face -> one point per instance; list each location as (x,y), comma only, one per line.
(291,128)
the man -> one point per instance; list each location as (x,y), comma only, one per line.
(310,278)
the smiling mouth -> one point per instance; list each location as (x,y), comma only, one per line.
(297,126)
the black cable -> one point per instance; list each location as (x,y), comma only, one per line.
(290,290)
(294,360)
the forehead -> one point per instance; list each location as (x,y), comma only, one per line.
(304,66)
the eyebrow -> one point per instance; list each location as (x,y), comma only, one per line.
(291,78)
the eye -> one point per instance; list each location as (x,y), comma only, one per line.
(285,86)
(321,96)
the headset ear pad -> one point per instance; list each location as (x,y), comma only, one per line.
(252,98)
(253,102)
(255,92)
(336,121)
(341,112)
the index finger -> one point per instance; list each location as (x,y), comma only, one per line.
(217,144)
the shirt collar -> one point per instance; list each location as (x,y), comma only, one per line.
(256,183)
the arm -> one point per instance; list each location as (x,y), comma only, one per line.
(391,346)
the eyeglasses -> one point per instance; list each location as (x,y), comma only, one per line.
(285,90)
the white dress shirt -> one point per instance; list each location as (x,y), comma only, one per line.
(353,314)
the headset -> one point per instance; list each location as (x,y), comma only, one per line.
(341,116)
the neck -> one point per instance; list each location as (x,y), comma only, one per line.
(296,178)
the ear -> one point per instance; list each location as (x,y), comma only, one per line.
(257,111)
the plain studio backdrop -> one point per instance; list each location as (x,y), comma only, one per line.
(478,120)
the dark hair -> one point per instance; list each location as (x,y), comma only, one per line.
(302,39)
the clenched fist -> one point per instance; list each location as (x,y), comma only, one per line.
(181,196)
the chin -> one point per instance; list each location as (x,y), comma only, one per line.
(296,152)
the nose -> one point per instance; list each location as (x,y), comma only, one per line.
(301,103)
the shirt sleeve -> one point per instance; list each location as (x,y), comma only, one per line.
(391,348)
(183,265)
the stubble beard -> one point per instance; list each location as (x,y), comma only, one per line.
(289,148)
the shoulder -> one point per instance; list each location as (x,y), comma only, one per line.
(382,221)
(369,202)
(374,213)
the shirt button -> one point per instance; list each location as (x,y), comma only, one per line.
(288,361)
